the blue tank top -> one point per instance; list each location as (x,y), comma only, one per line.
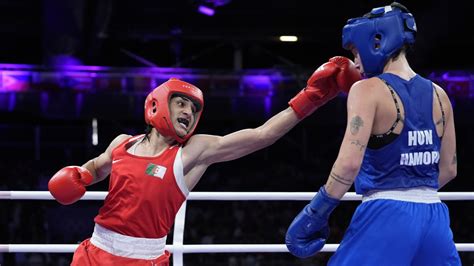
(411,160)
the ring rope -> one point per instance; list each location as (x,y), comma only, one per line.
(202,248)
(214,196)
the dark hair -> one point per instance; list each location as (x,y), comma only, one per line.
(407,48)
(393,5)
(148,129)
(400,6)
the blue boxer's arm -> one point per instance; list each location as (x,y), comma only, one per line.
(309,230)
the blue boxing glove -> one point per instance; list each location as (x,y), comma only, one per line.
(309,230)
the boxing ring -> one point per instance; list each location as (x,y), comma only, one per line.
(178,248)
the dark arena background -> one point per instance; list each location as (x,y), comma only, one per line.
(74,74)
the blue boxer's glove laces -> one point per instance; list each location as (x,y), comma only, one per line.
(309,230)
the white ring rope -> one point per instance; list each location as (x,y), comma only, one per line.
(179,222)
(215,196)
(202,248)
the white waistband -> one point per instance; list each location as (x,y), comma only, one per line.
(127,246)
(419,194)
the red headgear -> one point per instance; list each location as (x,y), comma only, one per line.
(157,111)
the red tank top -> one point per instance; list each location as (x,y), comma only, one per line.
(145,193)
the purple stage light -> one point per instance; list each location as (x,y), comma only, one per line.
(456,77)
(257,83)
(458,84)
(206,10)
(17,67)
(15,80)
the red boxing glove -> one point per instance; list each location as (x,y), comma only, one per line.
(320,88)
(68,185)
(348,75)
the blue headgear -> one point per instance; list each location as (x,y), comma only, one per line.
(378,35)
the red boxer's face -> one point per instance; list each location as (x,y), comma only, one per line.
(182,111)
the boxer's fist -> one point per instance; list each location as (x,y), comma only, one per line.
(309,231)
(68,184)
(348,74)
(320,88)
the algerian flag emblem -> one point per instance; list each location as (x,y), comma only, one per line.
(155,170)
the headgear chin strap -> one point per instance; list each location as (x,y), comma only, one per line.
(379,35)
(157,111)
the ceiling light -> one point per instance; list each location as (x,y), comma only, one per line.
(288,38)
